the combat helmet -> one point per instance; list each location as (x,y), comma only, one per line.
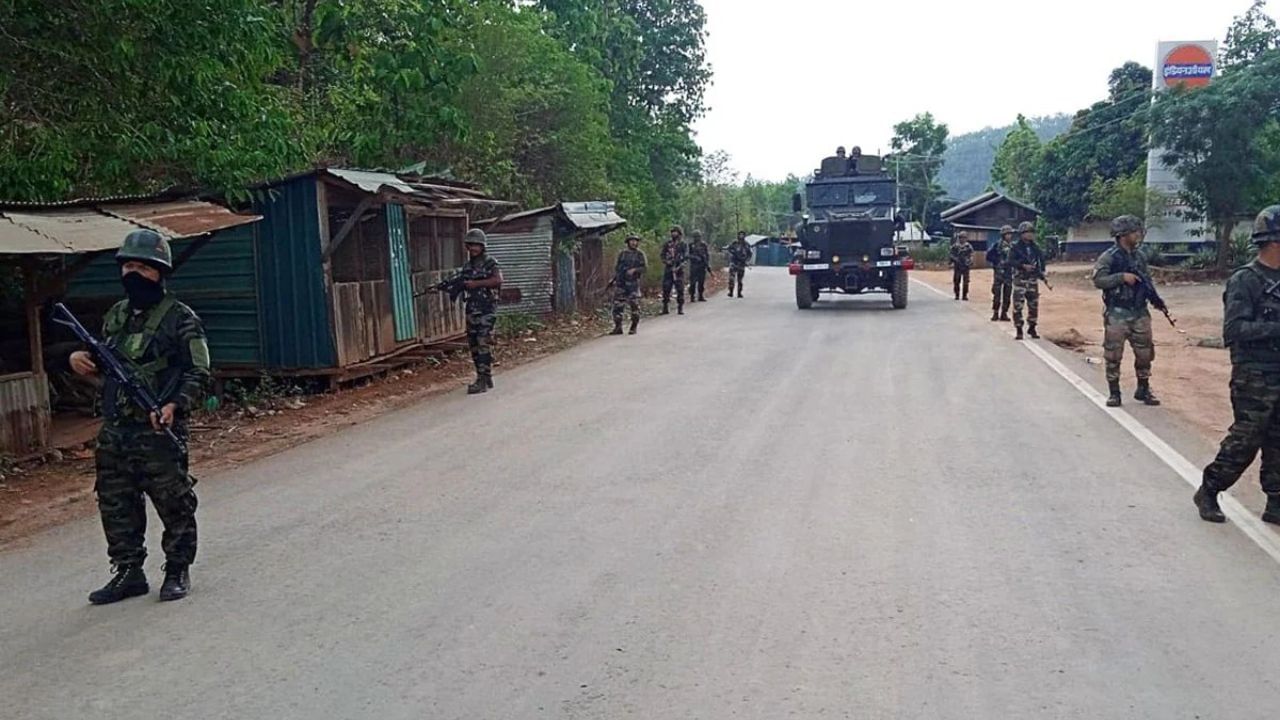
(1266,228)
(146,246)
(1026,227)
(1006,230)
(476,236)
(1125,224)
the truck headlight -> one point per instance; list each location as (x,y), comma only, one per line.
(813,254)
(887,252)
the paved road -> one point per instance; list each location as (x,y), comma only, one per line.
(747,512)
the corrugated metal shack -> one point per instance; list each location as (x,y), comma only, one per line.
(51,245)
(330,282)
(553,257)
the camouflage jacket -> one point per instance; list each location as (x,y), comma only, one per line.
(1122,301)
(962,255)
(1251,317)
(674,253)
(998,258)
(167,347)
(739,253)
(481,300)
(1026,253)
(629,260)
(699,255)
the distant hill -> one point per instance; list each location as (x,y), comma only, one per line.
(967,170)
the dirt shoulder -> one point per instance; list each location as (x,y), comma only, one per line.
(40,495)
(1191,372)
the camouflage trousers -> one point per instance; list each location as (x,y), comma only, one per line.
(673,279)
(1026,292)
(1136,330)
(697,282)
(1255,402)
(960,281)
(736,275)
(1001,295)
(624,297)
(133,461)
(480,322)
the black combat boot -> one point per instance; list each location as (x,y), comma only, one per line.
(1272,513)
(1031,331)
(129,581)
(739,292)
(1144,393)
(730,291)
(1019,335)
(177,582)
(617,327)
(1004,316)
(482,384)
(680,309)
(666,307)
(635,323)
(1114,399)
(995,316)
(1207,502)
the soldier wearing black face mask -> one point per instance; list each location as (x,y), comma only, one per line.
(163,341)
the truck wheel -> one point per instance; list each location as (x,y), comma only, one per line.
(816,290)
(805,291)
(899,290)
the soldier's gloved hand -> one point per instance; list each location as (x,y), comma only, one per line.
(82,363)
(1131,279)
(165,418)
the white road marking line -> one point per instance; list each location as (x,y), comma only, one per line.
(1249,524)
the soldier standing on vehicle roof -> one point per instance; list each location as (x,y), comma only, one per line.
(1251,328)
(699,265)
(1118,273)
(627,274)
(674,252)
(739,255)
(1028,266)
(165,342)
(482,284)
(961,263)
(1001,274)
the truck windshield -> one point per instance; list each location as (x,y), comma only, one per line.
(851,194)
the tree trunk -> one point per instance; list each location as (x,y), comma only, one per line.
(1223,230)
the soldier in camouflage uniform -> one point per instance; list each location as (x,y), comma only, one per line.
(961,263)
(627,274)
(483,282)
(739,255)
(1119,273)
(163,341)
(674,253)
(1028,265)
(699,265)
(1251,328)
(1001,275)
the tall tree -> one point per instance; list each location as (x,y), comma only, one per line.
(918,146)
(1249,36)
(1018,160)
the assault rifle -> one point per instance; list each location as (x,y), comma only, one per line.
(454,286)
(116,368)
(1149,289)
(1042,278)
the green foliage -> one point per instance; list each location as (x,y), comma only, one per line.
(1121,196)
(938,252)
(919,146)
(966,168)
(517,324)
(1202,260)
(1018,160)
(1250,36)
(261,392)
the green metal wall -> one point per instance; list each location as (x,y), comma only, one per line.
(402,310)
(295,308)
(219,282)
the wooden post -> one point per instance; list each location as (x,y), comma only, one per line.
(33,299)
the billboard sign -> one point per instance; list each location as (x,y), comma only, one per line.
(1178,64)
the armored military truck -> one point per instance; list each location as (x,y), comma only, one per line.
(847,241)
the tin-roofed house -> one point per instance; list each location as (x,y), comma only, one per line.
(552,257)
(53,246)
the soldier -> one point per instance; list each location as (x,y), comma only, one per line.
(699,265)
(627,274)
(739,255)
(961,262)
(1118,274)
(1001,275)
(1251,328)
(1028,267)
(674,252)
(164,340)
(482,285)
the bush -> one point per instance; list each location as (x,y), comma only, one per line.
(517,324)
(1202,260)
(1242,250)
(265,390)
(939,252)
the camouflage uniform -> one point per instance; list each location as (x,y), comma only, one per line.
(699,264)
(739,256)
(674,253)
(1251,328)
(961,263)
(166,343)
(1001,275)
(1026,283)
(626,286)
(482,313)
(1126,316)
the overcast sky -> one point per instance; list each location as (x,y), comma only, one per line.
(795,78)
